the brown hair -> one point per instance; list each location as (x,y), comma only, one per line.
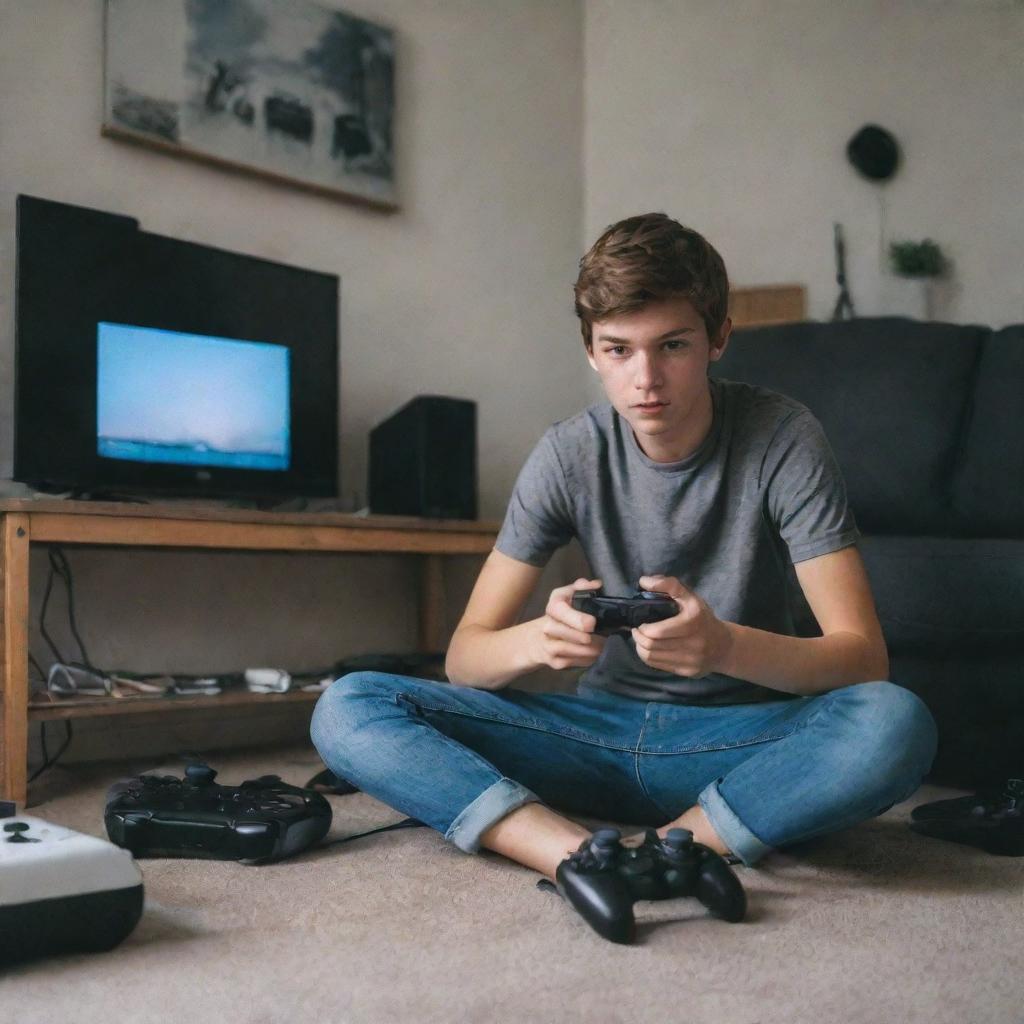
(646,258)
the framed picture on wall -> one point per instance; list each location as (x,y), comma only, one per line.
(285,89)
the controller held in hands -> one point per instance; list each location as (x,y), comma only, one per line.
(622,614)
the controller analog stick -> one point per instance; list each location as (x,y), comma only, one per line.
(200,774)
(678,839)
(605,838)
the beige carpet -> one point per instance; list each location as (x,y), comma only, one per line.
(873,926)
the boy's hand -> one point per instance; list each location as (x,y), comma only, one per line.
(564,637)
(692,643)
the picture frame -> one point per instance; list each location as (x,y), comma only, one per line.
(287,90)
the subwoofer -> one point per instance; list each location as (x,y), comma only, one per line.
(423,460)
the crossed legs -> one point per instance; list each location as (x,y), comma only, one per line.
(505,770)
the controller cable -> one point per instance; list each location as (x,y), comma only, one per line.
(342,787)
(58,567)
(406,823)
(47,763)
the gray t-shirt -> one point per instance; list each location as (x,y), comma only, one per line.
(763,491)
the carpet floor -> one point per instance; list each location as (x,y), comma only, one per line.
(875,925)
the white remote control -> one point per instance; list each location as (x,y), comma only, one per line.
(61,891)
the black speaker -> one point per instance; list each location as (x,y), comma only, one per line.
(423,460)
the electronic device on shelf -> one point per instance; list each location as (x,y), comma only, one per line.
(621,614)
(156,365)
(260,821)
(423,460)
(61,891)
(603,879)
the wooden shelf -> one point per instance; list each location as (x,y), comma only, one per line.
(103,707)
(56,521)
(184,525)
(762,305)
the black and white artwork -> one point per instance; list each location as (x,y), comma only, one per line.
(282,88)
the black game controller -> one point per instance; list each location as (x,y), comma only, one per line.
(992,819)
(603,879)
(621,614)
(260,821)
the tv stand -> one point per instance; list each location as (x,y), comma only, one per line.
(24,522)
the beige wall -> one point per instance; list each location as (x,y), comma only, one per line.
(466,291)
(734,117)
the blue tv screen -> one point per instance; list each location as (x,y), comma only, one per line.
(192,399)
(148,365)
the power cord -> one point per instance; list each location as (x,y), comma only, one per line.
(35,664)
(59,567)
(69,733)
(47,762)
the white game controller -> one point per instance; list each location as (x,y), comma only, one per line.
(61,891)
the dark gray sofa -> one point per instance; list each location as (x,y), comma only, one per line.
(927,422)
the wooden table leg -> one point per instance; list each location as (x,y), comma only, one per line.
(432,607)
(14,541)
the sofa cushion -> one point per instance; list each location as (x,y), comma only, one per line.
(988,485)
(948,596)
(892,395)
(977,702)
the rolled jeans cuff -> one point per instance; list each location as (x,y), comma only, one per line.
(740,840)
(493,804)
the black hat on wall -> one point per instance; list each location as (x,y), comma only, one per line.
(874,152)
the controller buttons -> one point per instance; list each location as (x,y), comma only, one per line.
(18,828)
(637,863)
(274,805)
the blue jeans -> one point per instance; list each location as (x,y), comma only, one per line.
(766,775)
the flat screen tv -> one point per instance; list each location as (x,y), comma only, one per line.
(146,364)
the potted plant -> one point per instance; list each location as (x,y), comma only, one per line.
(924,261)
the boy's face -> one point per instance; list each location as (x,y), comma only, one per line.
(654,366)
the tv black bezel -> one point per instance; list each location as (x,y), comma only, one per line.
(78,267)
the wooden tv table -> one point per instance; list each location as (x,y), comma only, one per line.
(24,522)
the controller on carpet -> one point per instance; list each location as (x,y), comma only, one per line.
(260,821)
(603,879)
(621,614)
(61,891)
(992,819)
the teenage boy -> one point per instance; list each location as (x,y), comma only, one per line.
(718,719)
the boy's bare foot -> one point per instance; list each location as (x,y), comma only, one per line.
(697,822)
(536,836)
